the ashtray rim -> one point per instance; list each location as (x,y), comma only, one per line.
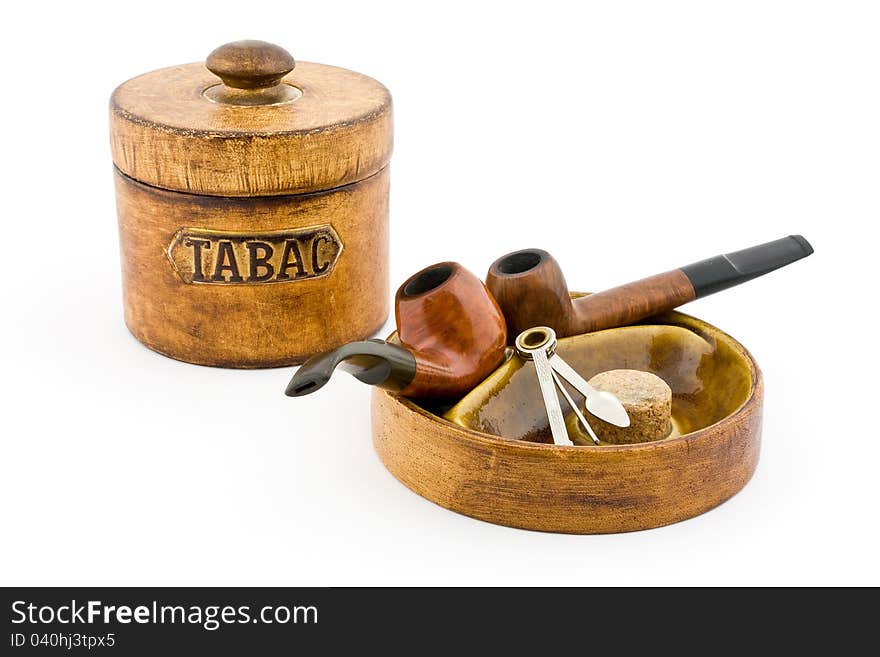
(572,489)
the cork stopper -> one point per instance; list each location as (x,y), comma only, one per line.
(646,398)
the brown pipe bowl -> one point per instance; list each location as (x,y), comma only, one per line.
(585,489)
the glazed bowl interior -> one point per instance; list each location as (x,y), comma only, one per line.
(710,374)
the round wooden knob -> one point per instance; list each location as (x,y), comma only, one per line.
(250,64)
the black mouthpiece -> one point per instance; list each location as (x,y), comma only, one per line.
(374,362)
(724,271)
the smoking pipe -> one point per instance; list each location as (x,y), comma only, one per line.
(452,336)
(531,290)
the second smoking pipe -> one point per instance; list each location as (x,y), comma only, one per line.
(531,290)
(452,336)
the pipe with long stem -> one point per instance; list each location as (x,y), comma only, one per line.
(531,290)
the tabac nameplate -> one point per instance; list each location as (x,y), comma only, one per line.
(225,258)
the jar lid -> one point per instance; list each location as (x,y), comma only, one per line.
(250,122)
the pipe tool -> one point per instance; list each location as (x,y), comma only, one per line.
(538,344)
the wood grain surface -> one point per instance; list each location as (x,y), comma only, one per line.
(165,132)
(630,303)
(232,318)
(531,290)
(570,489)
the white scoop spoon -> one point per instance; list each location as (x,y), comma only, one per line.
(603,405)
(538,344)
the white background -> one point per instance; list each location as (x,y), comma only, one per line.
(626,138)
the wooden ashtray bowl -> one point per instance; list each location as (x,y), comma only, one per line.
(460,464)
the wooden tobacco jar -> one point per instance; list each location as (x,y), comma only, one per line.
(252,196)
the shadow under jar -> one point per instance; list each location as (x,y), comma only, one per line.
(252,196)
